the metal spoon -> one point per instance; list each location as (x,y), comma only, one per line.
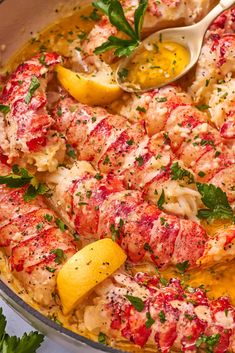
(191,37)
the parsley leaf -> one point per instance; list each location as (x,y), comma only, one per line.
(161,200)
(136,302)
(202,107)
(34,85)
(150,321)
(178,173)
(28,343)
(113,9)
(60,224)
(162,317)
(102,338)
(209,341)
(60,255)
(216,201)
(102,5)
(182,266)
(4,109)
(21,177)
(117,18)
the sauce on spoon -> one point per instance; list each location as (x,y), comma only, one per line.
(155,64)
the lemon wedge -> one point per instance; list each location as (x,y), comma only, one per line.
(92,89)
(87,268)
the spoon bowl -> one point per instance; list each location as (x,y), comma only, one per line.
(190,37)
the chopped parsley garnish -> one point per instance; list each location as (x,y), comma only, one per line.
(163,281)
(60,255)
(48,217)
(82,35)
(140,161)
(70,151)
(113,9)
(94,16)
(88,194)
(148,248)
(39,226)
(178,173)
(137,303)
(59,111)
(75,236)
(106,160)
(161,99)
(102,338)
(115,232)
(162,317)
(98,176)
(182,266)
(150,321)
(161,200)
(216,201)
(202,107)
(61,225)
(28,343)
(5,109)
(141,109)
(42,60)
(50,269)
(209,341)
(123,73)
(21,177)
(34,85)
(201,174)
(130,142)
(205,142)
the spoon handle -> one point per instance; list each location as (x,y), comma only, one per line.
(216,11)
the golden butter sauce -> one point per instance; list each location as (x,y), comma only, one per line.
(156,64)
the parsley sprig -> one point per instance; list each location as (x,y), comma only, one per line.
(213,197)
(113,9)
(216,201)
(21,177)
(28,343)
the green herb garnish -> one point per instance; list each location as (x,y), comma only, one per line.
(21,177)
(5,109)
(178,173)
(202,107)
(161,200)
(60,224)
(182,266)
(34,85)
(150,321)
(137,303)
(113,9)
(60,255)
(28,343)
(162,317)
(216,201)
(209,341)
(102,338)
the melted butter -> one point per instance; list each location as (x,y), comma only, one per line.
(218,280)
(157,64)
(61,37)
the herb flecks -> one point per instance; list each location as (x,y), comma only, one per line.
(20,177)
(178,173)
(34,85)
